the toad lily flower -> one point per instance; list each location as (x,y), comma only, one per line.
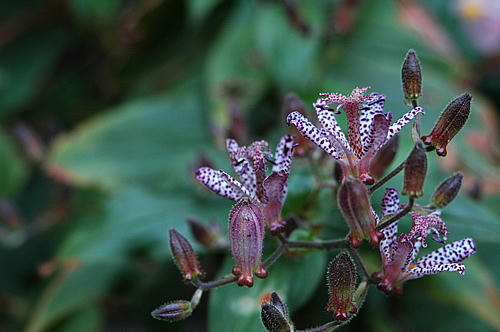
(250,165)
(366,132)
(399,254)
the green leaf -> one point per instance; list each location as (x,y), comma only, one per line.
(25,64)
(13,166)
(95,12)
(86,319)
(234,308)
(476,292)
(137,220)
(147,142)
(71,289)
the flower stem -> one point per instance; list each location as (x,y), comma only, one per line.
(331,244)
(397,216)
(325,327)
(229,278)
(386,178)
(359,263)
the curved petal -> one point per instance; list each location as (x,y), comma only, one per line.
(327,120)
(283,155)
(397,126)
(221,183)
(373,105)
(390,202)
(451,253)
(307,129)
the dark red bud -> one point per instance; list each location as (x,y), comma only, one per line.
(173,311)
(415,171)
(449,124)
(246,234)
(354,202)
(184,256)
(207,235)
(341,282)
(411,76)
(384,157)
(447,190)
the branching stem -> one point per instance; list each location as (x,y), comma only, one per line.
(397,216)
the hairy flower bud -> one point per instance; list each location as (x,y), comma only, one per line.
(384,157)
(355,205)
(173,311)
(447,190)
(184,256)
(246,234)
(341,282)
(274,315)
(415,171)
(207,235)
(449,124)
(411,76)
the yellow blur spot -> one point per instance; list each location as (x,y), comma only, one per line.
(412,266)
(471,10)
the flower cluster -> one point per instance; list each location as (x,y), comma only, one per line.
(259,197)
(399,253)
(368,129)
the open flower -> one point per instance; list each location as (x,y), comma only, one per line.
(366,132)
(399,254)
(250,163)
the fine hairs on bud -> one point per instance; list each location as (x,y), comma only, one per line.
(184,256)
(447,190)
(415,171)
(411,76)
(449,123)
(341,282)
(274,315)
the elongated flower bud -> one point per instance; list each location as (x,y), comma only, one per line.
(173,311)
(449,124)
(384,157)
(274,315)
(447,190)
(207,235)
(184,256)
(341,282)
(411,76)
(355,205)
(246,234)
(415,171)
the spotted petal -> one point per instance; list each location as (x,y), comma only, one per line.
(398,125)
(424,225)
(283,155)
(307,129)
(380,125)
(444,259)
(390,202)
(327,120)
(242,165)
(221,183)
(373,105)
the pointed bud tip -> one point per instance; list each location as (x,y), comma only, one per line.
(173,311)
(415,172)
(184,256)
(451,121)
(447,190)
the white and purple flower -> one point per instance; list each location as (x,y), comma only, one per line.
(399,254)
(366,132)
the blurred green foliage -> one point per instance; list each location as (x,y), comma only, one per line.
(106,106)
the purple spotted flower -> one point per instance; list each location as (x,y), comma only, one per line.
(366,132)
(399,254)
(250,163)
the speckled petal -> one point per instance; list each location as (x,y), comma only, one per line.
(397,126)
(242,165)
(390,202)
(443,259)
(283,155)
(221,183)
(424,225)
(329,123)
(307,129)
(373,105)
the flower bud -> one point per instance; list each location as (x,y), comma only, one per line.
(415,171)
(209,236)
(384,157)
(449,124)
(184,256)
(341,282)
(246,234)
(355,205)
(274,187)
(447,190)
(173,311)
(274,315)
(411,76)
